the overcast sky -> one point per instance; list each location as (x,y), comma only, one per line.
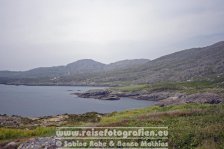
(36,33)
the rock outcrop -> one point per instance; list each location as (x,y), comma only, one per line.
(163,97)
(38,143)
(98,94)
(210,98)
(116,95)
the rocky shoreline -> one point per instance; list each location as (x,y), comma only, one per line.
(98,94)
(162,97)
(107,94)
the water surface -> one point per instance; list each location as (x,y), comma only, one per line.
(52,100)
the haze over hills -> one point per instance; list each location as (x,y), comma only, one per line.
(80,67)
(190,64)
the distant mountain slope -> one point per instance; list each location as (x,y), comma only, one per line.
(78,69)
(196,63)
(44,72)
(186,65)
(190,64)
(84,66)
(125,64)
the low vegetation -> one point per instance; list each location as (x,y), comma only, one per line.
(190,125)
(190,87)
(132,88)
(18,133)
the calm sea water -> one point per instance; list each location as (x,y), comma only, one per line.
(52,100)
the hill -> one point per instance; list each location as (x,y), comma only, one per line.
(186,65)
(191,64)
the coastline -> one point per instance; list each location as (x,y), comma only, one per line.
(189,108)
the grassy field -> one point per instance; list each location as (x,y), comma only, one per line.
(190,125)
(191,87)
(20,133)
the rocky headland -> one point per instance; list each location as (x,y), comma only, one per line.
(162,97)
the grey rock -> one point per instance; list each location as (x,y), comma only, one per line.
(110,98)
(123,94)
(38,143)
(210,98)
(98,94)
(156,96)
(11,145)
(170,101)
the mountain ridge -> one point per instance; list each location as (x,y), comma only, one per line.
(189,64)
